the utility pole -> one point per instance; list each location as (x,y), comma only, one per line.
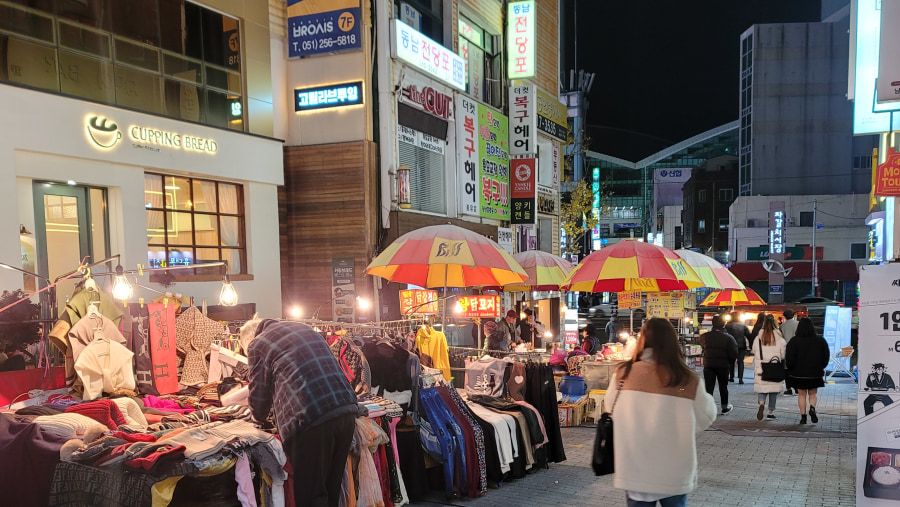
(815,274)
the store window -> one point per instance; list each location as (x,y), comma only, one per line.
(192,221)
(726,194)
(858,251)
(701,225)
(476,46)
(723,224)
(701,195)
(166,57)
(426,16)
(426,177)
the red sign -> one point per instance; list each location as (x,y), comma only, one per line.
(887,176)
(572,337)
(422,302)
(523,178)
(430,100)
(478,306)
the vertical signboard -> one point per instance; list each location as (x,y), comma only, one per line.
(552,115)
(776,250)
(878,410)
(505,239)
(520,42)
(595,203)
(554,165)
(483,151)
(322,26)
(523,191)
(343,289)
(522,119)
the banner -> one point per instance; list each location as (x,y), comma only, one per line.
(478,306)
(629,299)
(523,191)
(418,302)
(878,410)
(668,305)
(483,154)
(322,26)
(887,175)
(343,290)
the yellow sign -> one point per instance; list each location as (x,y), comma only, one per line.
(552,116)
(667,305)
(629,299)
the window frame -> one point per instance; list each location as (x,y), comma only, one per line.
(701,225)
(865,251)
(701,195)
(191,274)
(723,224)
(729,192)
(490,63)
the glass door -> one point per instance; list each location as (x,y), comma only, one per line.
(70,223)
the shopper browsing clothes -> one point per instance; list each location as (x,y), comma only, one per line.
(772,344)
(719,352)
(741,334)
(657,462)
(295,374)
(807,355)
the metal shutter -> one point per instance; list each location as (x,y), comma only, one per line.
(426,178)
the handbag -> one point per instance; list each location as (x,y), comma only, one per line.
(773,370)
(604,457)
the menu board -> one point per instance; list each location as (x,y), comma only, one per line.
(629,299)
(668,305)
(419,302)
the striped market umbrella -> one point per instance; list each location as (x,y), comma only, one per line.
(632,265)
(545,271)
(446,256)
(713,274)
(733,297)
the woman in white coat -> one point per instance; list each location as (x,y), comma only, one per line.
(773,347)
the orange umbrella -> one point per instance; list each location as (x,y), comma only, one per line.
(632,265)
(713,274)
(545,271)
(446,256)
(733,297)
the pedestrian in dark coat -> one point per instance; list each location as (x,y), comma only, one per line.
(719,353)
(806,358)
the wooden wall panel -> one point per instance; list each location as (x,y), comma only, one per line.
(489,12)
(327,209)
(547,51)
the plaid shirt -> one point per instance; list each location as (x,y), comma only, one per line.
(293,371)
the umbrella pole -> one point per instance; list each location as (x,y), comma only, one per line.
(444,307)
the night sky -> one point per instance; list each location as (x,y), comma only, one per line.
(665,71)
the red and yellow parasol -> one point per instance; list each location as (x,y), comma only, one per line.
(632,265)
(733,297)
(545,271)
(713,274)
(446,256)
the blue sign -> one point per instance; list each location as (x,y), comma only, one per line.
(323,26)
(776,289)
(820,226)
(321,97)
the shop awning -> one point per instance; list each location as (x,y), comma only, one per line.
(828,270)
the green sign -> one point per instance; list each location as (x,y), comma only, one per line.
(493,155)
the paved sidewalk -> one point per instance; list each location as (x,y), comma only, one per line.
(742,461)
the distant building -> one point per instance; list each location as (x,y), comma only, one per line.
(708,194)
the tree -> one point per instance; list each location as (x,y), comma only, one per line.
(576,215)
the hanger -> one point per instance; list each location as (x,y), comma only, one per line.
(89,283)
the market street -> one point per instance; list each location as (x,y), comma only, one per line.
(742,461)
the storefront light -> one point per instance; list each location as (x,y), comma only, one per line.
(296,312)
(363,303)
(228,295)
(122,290)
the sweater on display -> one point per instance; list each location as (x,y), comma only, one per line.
(652,456)
(432,347)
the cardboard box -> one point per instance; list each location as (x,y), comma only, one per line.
(571,414)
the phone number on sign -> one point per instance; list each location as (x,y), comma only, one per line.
(330,42)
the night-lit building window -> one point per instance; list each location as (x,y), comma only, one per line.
(701,225)
(476,45)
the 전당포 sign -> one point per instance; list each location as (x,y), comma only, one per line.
(427,55)
(322,26)
(520,42)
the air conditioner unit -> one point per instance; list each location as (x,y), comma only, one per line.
(752,222)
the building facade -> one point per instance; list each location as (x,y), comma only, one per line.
(144,130)
(708,194)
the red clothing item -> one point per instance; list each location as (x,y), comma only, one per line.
(106,412)
(134,437)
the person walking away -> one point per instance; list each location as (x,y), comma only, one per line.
(757,327)
(612,328)
(741,334)
(657,462)
(294,373)
(807,355)
(788,330)
(719,352)
(773,348)
(531,331)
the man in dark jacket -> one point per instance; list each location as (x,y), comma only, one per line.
(719,353)
(741,334)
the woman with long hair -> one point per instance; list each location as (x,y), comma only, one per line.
(757,327)
(807,356)
(657,462)
(771,343)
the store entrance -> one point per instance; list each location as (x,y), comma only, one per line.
(71,223)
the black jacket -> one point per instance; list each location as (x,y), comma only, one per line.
(807,356)
(740,332)
(719,349)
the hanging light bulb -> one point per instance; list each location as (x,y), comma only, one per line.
(122,290)
(228,295)
(363,303)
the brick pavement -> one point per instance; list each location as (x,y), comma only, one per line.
(766,463)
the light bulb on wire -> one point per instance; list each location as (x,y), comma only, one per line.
(228,295)
(122,290)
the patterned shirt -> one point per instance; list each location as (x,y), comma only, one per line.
(293,371)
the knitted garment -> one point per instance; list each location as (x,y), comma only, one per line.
(106,412)
(67,425)
(157,458)
(354,364)
(96,450)
(194,334)
(131,410)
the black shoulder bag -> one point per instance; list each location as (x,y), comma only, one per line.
(774,370)
(604,457)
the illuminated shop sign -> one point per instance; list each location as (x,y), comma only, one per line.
(322,97)
(105,133)
(870,116)
(427,55)
(478,306)
(776,233)
(520,42)
(322,26)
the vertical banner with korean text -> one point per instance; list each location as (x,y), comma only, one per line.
(522,118)
(483,160)
(523,191)
(343,289)
(520,43)
(776,252)
(467,156)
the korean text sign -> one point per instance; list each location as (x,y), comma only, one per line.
(523,188)
(483,158)
(887,176)
(668,305)
(629,299)
(420,302)
(478,306)
(322,97)
(520,42)
(322,26)
(428,56)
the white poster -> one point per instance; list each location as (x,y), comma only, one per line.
(505,239)
(467,156)
(522,119)
(878,410)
